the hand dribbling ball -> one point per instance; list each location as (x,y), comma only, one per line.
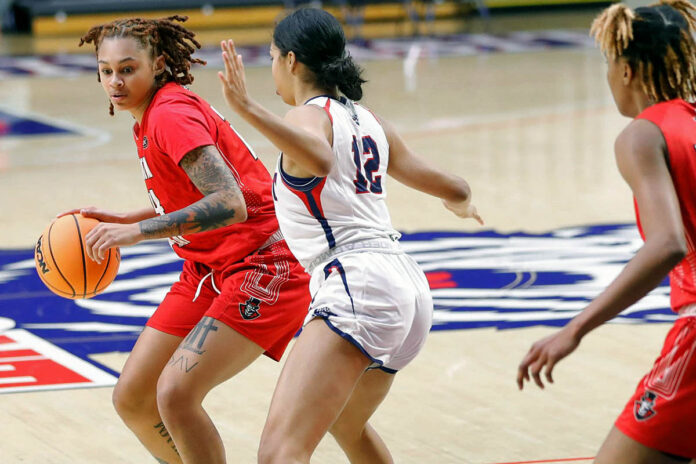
(63,264)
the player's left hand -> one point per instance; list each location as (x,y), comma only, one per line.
(546,352)
(107,235)
(463,209)
(233,79)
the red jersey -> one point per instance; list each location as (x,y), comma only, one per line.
(677,122)
(176,122)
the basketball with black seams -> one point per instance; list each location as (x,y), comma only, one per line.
(62,262)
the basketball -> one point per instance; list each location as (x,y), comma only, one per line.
(63,264)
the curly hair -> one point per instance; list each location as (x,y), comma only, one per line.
(657,42)
(162,36)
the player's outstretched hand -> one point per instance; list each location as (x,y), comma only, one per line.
(98,214)
(546,353)
(233,79)
(463,209)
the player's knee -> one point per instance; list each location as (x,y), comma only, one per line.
(173,397)
(345,432)
(130,402)
(169,394)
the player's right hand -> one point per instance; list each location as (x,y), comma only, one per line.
(545,353)
(463,209)
(98,214)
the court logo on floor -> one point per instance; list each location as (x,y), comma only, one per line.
(483,279)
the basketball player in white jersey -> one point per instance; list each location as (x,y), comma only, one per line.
(371,309)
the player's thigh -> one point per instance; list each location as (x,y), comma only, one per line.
(175,316)
(368,394)
(146,362)
(318,378)
(210,354)
(618,448)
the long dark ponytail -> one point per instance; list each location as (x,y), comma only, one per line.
(318,41)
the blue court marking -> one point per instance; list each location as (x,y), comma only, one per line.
(483,279)
(17,125)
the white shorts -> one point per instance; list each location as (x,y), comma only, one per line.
(379,301)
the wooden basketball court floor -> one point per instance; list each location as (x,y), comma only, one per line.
(533,134)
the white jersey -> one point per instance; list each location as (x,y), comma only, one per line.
(320,214)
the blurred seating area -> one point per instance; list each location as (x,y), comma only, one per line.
(62,17)
(43,27)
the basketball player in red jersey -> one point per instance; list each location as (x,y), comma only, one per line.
(241,292)
(652,76)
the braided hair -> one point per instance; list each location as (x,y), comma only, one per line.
(658,44)
(163,37)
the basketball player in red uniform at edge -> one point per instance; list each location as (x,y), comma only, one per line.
(241,292)
(652,76)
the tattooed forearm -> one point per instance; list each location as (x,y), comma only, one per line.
(162,430)
(209,213)
(223,203)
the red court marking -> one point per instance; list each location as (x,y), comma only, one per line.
(547,460)
(440,280)
(29,363)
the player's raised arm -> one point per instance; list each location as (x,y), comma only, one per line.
(413,171)
(304,135)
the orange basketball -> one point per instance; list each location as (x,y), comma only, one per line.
(63,264)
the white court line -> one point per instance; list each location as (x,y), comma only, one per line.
(17,380)
(12,346)
(24,358)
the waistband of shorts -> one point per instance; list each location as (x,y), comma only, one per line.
(388,244)
(687,311)
(276,237)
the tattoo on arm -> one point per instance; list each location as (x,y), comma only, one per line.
(219,207)
(164,433)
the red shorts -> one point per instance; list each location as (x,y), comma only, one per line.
(662,412)
(264,297)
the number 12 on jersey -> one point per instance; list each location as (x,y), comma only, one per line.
(367,161)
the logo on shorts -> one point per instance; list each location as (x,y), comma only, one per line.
(644,408)
(250,309)
(322,312)
(145,144)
